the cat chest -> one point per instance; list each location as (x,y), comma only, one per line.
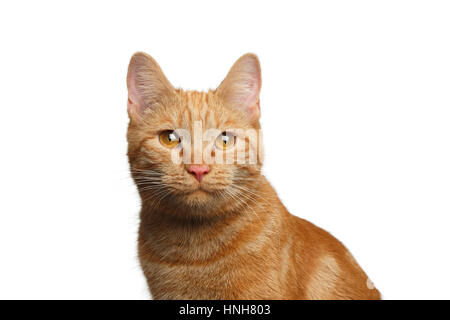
(229,278)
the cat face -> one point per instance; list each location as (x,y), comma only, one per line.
(189,149)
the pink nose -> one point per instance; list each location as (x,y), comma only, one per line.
(199,171)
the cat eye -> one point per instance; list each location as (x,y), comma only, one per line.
(169,139)
(225,141)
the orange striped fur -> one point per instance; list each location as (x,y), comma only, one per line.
(228,236)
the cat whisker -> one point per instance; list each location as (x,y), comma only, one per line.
(238,200)
(246,192)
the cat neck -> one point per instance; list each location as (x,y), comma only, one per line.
(195,238)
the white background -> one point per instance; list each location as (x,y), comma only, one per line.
(355,111)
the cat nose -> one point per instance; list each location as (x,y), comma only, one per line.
(199,171)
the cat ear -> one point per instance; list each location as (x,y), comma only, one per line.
(242,85)
(146,84)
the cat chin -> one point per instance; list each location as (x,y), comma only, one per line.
(198,196)
(199,200)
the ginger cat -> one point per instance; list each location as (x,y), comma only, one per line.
(214,229)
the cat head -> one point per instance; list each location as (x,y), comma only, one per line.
(190,151)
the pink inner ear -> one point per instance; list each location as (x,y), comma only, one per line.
(251,96)
(135,103)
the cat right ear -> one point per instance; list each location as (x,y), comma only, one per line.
(146,84)
(242,85)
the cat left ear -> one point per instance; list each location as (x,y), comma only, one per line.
(146,83)
(242,85)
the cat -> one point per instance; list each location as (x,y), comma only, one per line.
(218,230)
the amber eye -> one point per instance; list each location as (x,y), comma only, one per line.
(169,139)
(226,140)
